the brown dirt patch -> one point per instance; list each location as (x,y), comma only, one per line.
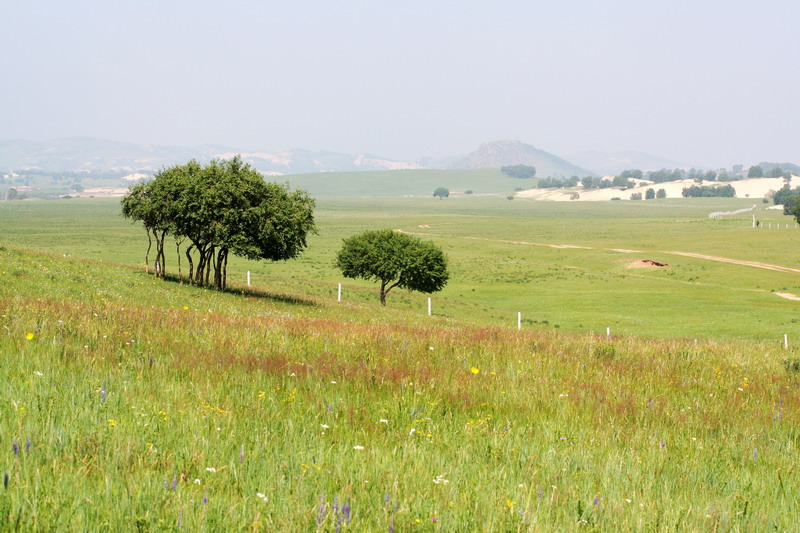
(647,263)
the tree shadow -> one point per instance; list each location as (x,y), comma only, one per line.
(250,292)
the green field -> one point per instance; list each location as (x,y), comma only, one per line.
(135,404)
(503,261)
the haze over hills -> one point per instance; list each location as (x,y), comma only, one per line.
(88,154)
(607,163)
(80,153)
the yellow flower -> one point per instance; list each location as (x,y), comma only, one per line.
(112,422)
(185,307)
(474,370)
(29,336)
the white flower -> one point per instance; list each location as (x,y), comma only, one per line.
(440,479)
(383,421)
(196,481)
(38,373)
(262,496)
(325,426)
(211,469)
(357,447)
(333,382)
(410,433)
(430,347)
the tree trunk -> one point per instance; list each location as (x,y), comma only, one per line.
(225,271)
(147,253)
(383,293)
(178,249)
(191,263)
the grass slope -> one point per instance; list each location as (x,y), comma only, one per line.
(506,258)
(135,404)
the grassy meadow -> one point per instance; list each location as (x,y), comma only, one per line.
(135,404)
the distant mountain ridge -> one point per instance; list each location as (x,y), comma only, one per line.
(498,154)
(81,153)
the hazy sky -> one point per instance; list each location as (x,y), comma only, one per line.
(705,82)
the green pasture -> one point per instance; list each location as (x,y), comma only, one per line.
(134,404)
(503,261)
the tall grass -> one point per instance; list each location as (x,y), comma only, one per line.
(135,404)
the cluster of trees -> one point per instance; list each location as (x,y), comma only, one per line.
(557,183)
(222,208)
(623,181)
(519,171)
(704,191)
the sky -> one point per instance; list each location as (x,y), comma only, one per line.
(703,82)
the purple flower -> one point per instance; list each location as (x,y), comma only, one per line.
(205,497)
(241,454)
(28,445)
(15,447)
(321,509)
(346,513)
(755,453)
(175,482)
(596,500)
(386,499)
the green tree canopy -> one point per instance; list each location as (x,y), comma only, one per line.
(394,260)
(225,207)
(441,192)
(519,171)
(755,172)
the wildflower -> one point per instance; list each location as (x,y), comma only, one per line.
(37,373)
(15,447)
(357,447)
(196,481)
(755,453)
(430,347)
(411,433)
(383,421)
(27,445)
(324,426)
(262,496)
(205,498)
(596,499)
(185,307)
(474,370)
(211,469)
(29,336)
(440,480)
(112,423)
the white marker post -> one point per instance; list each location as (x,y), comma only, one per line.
(339,299)
(754,221)
(519,320)
(608,332)
(429,306)
(785,341)
(248,278)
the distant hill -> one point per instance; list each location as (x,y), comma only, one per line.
(607,163)
(498,154)
(80,153)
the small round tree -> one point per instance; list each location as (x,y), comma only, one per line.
(441,192)
(395,260)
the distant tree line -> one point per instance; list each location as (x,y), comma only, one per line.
(705,191)
(519,171)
